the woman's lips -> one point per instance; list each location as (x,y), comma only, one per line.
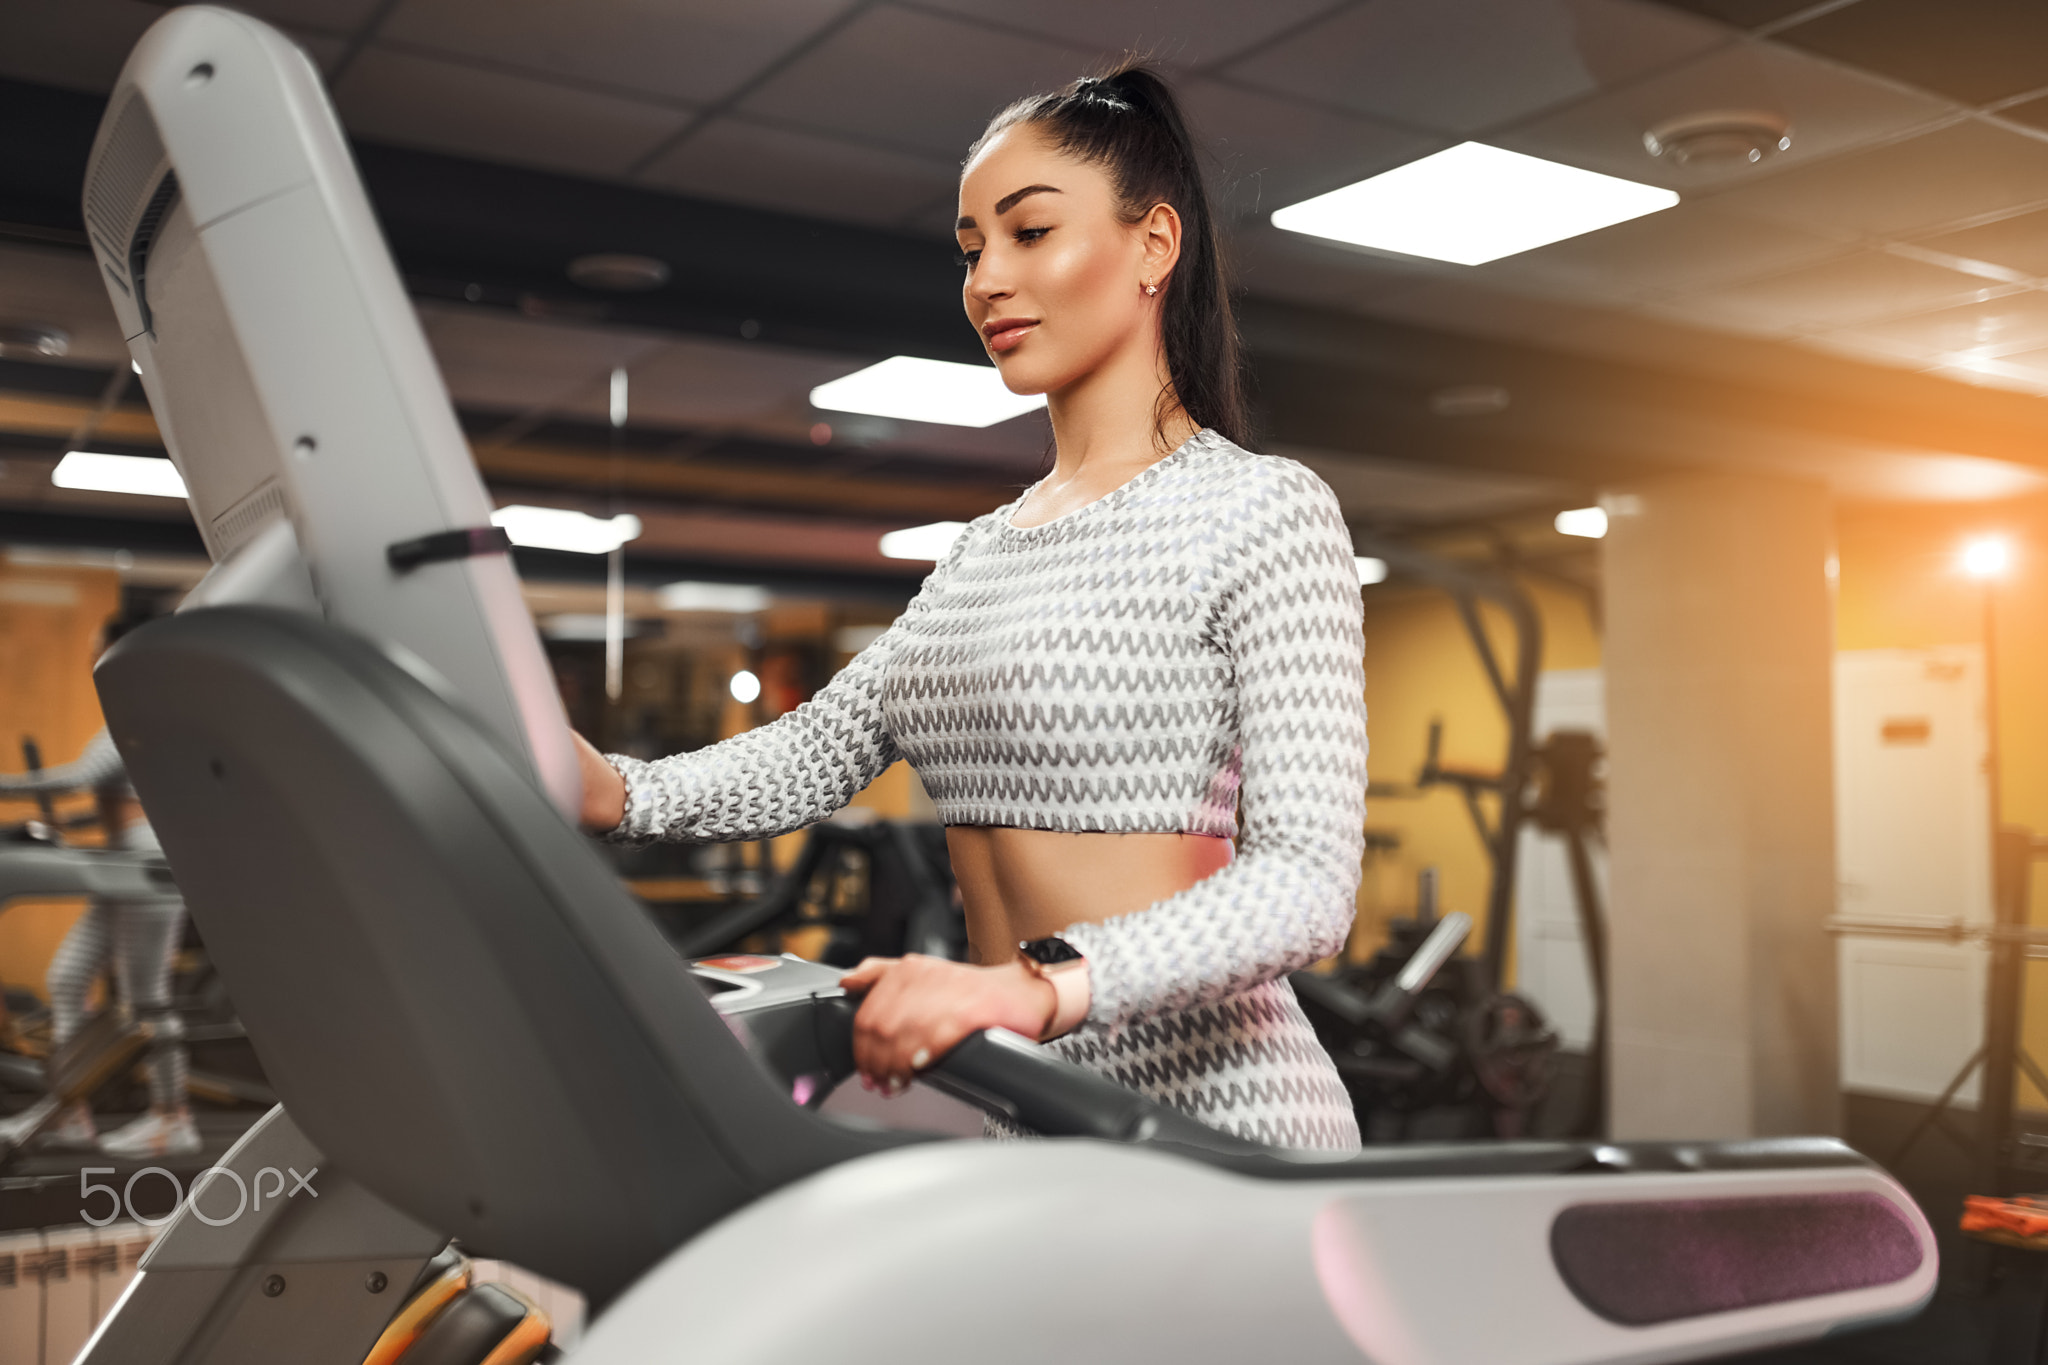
(1009,335)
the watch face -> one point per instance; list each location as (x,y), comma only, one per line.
(1047,951)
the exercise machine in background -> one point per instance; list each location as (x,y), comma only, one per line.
(478,1035)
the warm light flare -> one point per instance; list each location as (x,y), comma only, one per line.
(1987,557)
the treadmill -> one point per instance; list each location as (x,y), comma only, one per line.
(350,746)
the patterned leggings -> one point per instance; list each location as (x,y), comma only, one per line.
(140,937)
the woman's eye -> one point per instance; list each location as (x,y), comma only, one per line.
(1031,234)
(966,258)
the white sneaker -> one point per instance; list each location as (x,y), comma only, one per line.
(73,1130)
(154,1134)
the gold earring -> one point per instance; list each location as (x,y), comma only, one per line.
(1150,289)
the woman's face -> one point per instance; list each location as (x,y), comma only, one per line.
(1055,281)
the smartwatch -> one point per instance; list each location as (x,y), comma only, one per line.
(1050,952)
(1061,964)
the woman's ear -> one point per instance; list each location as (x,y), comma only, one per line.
(1160,242)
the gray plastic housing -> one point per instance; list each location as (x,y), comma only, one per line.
(287,369)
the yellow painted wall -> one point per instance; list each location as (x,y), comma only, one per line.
(1420,664)
(1900,587)
(49,625)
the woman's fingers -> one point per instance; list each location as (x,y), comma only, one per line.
(866,974)
(918,1009)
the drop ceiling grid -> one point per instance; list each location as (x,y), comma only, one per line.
(820,113)
(570,106)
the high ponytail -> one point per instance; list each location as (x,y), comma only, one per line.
(1128,122)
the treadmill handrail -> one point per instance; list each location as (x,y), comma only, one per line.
(1004,1074)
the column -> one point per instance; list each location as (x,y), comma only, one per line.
(1718,654)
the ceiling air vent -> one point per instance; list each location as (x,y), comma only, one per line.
(33,339)
(1720,137)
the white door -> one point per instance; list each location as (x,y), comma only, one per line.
(1550,954)
(1912,843)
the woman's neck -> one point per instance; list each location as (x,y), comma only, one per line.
(1106,425)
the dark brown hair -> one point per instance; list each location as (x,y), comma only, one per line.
(1129,123)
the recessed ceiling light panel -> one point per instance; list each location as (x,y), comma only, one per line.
(1472,204)
(559,528)
(912,389)
(94,472)
(740,599)
(923,542)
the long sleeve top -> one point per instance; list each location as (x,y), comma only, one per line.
(1184,654)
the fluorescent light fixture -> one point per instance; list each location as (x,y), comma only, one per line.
(97,473)
(587,626)
(923,542)
(1370,570)
(1590,522)
(917,390)
(739,598)
(744,686)
(1472,204)
(1987,557)
(557,528)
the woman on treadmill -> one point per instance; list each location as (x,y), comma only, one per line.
(1155,649)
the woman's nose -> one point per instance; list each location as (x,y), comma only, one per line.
(990,282)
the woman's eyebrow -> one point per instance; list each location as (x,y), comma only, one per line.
(1008,202)
(1011,200)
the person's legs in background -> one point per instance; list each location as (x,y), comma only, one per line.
(79,959)
(146,936)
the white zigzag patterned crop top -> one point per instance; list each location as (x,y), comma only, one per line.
(1181,655)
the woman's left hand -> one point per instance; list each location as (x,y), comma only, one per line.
(919,1007)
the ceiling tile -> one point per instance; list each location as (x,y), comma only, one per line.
(423,102)
(1287,265)
(1684,248)
(325,49)
(1463,65)
(1996,374)
(2018,243)
(696,50)
(708,383)
(1962,171)
(1742,13)
(1477,309)
(802,173)
(325,16)
(1836,293)
(1828,108)
(2033,113)
(2029,365)
(1971,50)
(1182,33)
(499,361)
(55,287)
(1267,152)
(1404,490)
(78,44)
(914,80)
(2017,322)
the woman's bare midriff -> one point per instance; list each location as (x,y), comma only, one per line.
(1021,884)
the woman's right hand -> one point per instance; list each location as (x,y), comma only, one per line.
(604,791)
